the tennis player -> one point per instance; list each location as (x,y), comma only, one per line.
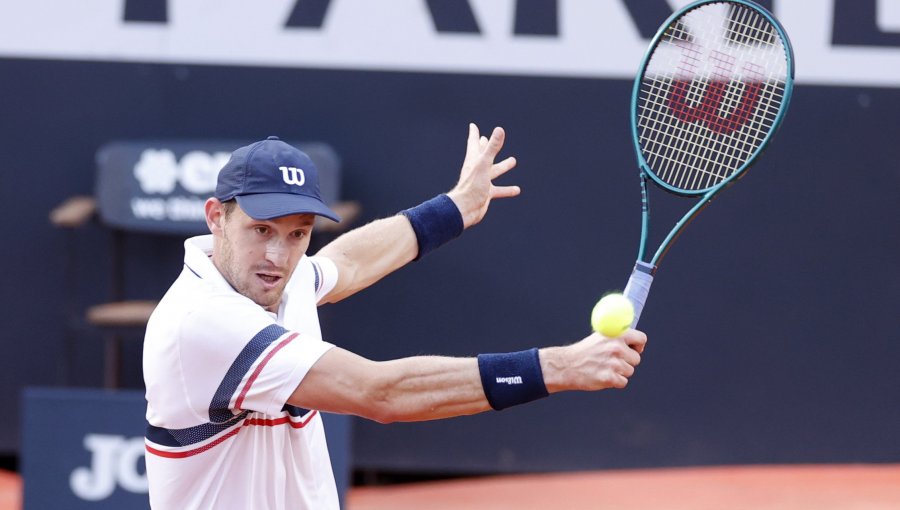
(235,365)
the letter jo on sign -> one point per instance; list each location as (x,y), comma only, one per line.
(114,462)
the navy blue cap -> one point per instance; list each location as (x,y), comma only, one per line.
(270,179)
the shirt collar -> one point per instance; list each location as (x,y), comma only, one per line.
(197,252)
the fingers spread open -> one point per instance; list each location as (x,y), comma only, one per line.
(502,167)
(495,143)
(505,191)
(473,144)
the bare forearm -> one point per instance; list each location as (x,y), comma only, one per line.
(409,389)
(369,253)
(430,388)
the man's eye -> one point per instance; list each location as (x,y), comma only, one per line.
(261,230)
(299,234)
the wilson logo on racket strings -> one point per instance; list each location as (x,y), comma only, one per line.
(708,111)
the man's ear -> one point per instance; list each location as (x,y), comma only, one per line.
(215,216)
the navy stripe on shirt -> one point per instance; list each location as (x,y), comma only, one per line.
(220,415)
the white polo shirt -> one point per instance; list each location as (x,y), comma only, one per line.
(219,370)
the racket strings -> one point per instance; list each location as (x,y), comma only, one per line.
(710,94)
(747,27)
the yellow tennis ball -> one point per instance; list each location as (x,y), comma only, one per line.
(612,315)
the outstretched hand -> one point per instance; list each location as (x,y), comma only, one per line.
(475,189)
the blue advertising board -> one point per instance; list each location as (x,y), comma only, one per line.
(84,449)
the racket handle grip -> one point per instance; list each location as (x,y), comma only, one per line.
(638,288)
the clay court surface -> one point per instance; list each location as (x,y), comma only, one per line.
(843,487)
(852,487)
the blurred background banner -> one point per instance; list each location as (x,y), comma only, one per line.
(157,186)
(162,185)
(848,42)
(796,286)
(84,449)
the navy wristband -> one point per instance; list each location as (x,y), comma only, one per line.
(511,378)
(435,222)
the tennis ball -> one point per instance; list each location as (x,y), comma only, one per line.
(612,315)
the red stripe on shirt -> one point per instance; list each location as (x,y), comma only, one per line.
(195,451)
(257,422)
(280,421)
(259,368)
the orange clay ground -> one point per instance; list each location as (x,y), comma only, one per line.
(843,487)
(829,487)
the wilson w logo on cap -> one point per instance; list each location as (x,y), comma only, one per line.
(290,175)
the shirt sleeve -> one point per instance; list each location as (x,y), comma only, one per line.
(237,358)
(326,273)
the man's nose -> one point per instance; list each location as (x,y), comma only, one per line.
(276,252)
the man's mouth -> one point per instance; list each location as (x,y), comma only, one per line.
(269,280)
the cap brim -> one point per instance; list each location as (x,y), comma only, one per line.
(267,206)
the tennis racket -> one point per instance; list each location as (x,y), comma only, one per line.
(712,90)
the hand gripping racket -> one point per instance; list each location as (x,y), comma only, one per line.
(712,90)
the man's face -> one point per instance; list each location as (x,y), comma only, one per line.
(257,257)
